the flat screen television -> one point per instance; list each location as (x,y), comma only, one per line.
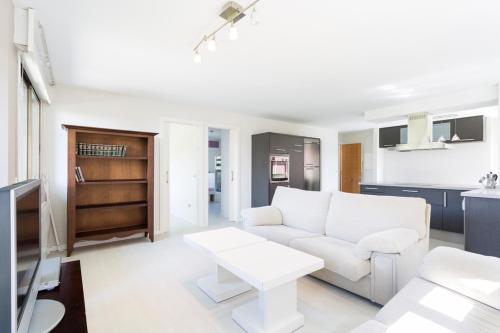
(20,254)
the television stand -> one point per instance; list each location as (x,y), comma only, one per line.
(46,315)
(70,293)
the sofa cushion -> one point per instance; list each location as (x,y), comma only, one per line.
(280,233)
(354,216)
(301,209)
(266,215)
(470,274)
(422,306)
(338,256)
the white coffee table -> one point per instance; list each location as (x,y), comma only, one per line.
(273,269)
(222,284)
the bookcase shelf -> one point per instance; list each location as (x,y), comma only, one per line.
(116,200)
(114,157)
(117,205)
(113,181)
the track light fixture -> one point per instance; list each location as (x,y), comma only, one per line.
(212,45)
(232,12)
(233,32)
(197,57)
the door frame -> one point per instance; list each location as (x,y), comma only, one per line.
(202,175)
(233,193)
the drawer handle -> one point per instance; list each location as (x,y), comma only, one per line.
(445,199)
(371,188)
(388,145)
(410,191)
(279,149)
(297,145)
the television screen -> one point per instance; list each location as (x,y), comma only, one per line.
(28,245)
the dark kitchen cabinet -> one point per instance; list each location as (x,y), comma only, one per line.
(469,128)
(453,214)
(279,144)
(482,226)
(446,205)
(297,167)
(266,144)
(392,136)
(437,217)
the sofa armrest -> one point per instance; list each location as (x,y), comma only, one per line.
(389,241)
(266,215)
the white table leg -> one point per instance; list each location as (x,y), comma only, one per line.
(274,311)
(222,285)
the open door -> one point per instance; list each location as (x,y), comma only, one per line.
(350,167)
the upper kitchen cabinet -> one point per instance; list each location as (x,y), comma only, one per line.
(392,136)
(468,129)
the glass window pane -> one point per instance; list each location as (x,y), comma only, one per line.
(34,157)
(403,135)
(22,133)
(441,130)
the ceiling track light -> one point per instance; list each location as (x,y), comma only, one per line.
(232,12)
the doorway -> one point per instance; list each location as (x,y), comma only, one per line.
(184,175)
(350,167)
(218,175)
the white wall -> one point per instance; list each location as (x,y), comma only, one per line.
(101,109)
(464,164)
(183,179)
(8,95)
(367,138)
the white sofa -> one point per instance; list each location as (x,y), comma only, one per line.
(372,245)
(454,291)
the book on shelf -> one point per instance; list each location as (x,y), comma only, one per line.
(79,175)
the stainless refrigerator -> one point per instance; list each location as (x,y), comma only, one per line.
(312,164)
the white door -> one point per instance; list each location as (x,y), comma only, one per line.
(179,164)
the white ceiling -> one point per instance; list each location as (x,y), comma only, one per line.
(314,61)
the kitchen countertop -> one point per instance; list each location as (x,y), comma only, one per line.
(457,187)
(483,193)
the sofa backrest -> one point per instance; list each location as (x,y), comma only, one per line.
(301,209)
(354,216)
(470,274)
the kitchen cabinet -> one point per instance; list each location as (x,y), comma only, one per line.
(392,136)
(297,166)
(453,214)
(446,205)
(469,129)
(266,144)
(482,226)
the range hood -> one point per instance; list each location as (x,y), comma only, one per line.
(420,134)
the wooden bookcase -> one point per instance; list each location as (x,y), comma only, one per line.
(116,199)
